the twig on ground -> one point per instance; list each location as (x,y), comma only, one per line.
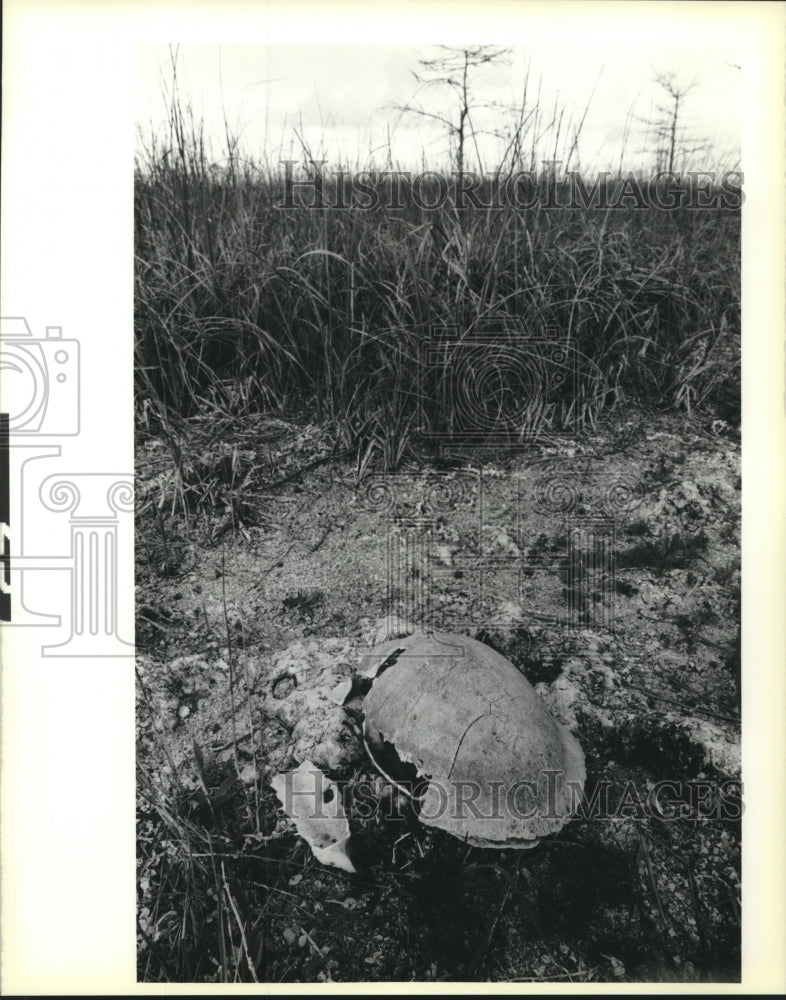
(685,707)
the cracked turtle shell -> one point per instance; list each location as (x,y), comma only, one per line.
(495,769)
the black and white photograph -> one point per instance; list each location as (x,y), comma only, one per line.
(434,538)
(438,514)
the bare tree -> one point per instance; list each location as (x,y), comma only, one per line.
(453,69)
(669,129)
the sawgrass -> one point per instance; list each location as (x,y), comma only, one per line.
(244,306)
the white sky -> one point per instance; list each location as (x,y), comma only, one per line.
(341,98)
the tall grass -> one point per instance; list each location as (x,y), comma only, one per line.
(242,305)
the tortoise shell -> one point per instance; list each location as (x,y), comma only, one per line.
(495,768)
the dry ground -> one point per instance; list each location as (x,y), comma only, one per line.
(629,633)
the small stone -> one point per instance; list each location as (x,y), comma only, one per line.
(184,711)
(289,936)
(248,774)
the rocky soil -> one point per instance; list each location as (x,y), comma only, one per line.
(607,568)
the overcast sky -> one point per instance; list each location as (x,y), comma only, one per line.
(341,99)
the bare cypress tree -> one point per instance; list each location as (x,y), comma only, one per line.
(453,69)
(673,145)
